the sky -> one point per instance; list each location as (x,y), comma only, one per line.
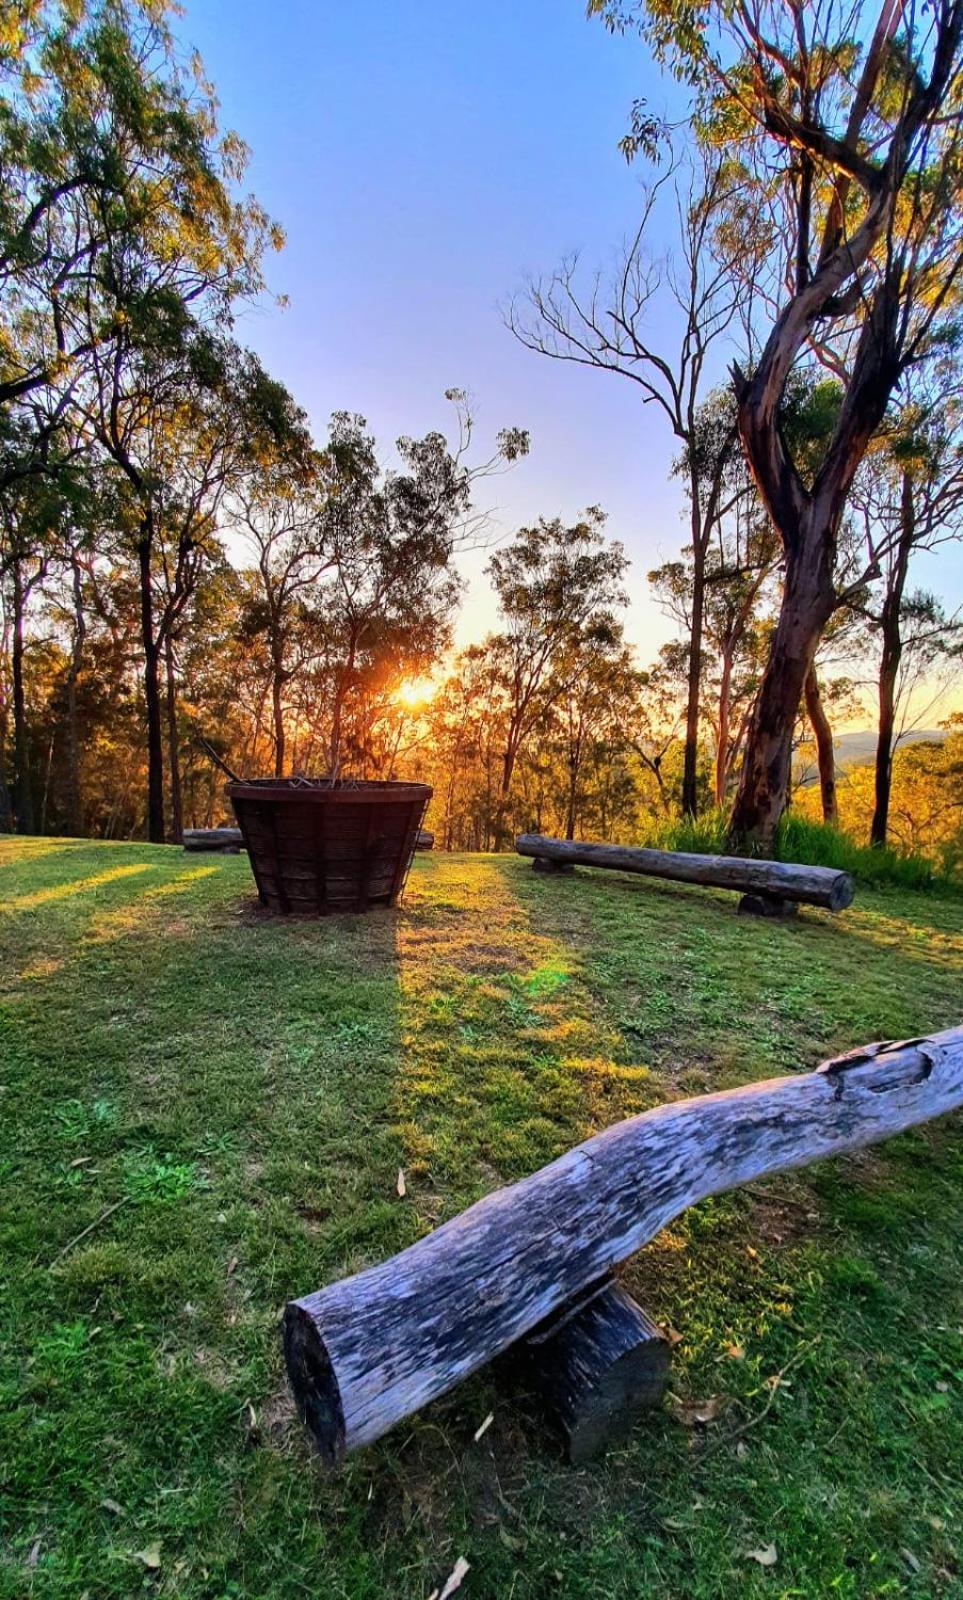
(424,157)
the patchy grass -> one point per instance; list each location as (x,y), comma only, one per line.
(224,1101)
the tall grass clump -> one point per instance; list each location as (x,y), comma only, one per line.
(815,844)
(810,843)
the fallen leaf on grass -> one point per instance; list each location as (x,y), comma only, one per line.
(401,1182)
(232,1266)
(453,1581)
(151,1556)
(766,1557)
(112,1506)
(735,1352)
(484,1427)
(696,1413)
(34,1553)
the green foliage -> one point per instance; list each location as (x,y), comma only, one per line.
(812,843)
(800,839)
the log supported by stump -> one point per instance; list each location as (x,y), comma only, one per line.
(227,841)
(593,1367)
(776,880)
(370,1350)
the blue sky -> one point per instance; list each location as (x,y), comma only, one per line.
(423,156)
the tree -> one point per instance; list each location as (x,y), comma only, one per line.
(909,499)
(853,122)
(612,327)
(183,421)
(557,586)
(385,613)
(738,566)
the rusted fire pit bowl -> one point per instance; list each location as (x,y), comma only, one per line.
(317,847)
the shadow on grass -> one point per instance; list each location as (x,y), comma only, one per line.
(249,1088)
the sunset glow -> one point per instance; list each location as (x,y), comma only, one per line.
(415,692)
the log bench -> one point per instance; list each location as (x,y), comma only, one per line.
(225,841)
(368,1351)
(769,888)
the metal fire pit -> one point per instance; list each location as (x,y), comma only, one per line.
(317,846)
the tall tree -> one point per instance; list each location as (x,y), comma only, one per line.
(390,537)
(852,115)
(909,499)
(615,327)
(557,586)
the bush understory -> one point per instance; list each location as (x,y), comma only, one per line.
(814,844)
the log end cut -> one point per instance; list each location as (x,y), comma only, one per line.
(314,1384)
(842,892)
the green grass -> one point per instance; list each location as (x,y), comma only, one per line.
(243,1090)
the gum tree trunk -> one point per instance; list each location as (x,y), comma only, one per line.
(808,602)
(890,657)
(825,753)
(152,695)
(74,798)
(22,781)
(173,746)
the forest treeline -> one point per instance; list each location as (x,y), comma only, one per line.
(185,567)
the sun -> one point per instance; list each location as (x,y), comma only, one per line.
(414,692)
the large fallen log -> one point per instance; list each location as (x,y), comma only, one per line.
(370,1350)
(778,880)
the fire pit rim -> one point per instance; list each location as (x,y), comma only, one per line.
(363,790)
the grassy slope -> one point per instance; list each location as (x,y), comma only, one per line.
(248,1089)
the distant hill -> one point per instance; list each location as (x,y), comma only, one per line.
(859,749)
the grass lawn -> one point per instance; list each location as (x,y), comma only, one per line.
(242,1091)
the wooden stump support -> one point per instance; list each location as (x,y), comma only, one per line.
(367,1351)
(225,841)
(593,1368)
(770,888)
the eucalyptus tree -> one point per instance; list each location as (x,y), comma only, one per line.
(557,587)
(280,516)
(657,322)
(390,535)
(183,420)
(847,116)
(909,500)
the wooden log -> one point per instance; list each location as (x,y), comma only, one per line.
(227,840)
(815,886)
(370,1350)
(593,1368)
(766,905)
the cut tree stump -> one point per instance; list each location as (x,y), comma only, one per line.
(366,1352)
(593,1368)
(543,864)
(766,905)
(769,880)
(228,841)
